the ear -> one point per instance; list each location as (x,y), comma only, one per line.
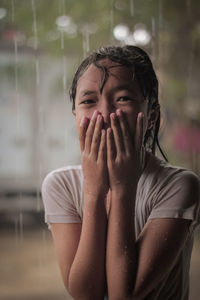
(74,112)
(153,116)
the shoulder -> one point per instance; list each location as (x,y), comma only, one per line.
(63,176)
(172,191)
(63,183)
(162,174)
(62,195)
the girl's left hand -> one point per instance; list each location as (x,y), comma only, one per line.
(125,154)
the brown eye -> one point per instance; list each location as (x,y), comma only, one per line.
(124,99)
(88,101)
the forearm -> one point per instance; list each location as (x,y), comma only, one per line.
(121,247)
(87,274)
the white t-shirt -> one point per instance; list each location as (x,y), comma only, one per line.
(163,191)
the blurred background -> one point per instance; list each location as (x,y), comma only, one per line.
(41,44)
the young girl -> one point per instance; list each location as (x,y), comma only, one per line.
(122,222)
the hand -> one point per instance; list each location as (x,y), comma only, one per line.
(93,146)
(124,153)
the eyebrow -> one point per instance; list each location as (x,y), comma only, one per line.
(116,89)
(122,87)
(87,92)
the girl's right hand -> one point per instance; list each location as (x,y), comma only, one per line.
(93,147)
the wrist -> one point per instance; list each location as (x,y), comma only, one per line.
(124,190)
(95,190)
(123,199)
(95,197)
(95,194)
(94,206)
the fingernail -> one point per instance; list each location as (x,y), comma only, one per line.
(118,112)
(140,116)
(99,117)
(94,115)
(113,116)
(142,119)
(82,121)
(109,130)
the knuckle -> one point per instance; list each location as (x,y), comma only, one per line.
(84,155)
(95,140)
(81,133)
(88,134)
(81,138)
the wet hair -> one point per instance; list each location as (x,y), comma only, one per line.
(137,59)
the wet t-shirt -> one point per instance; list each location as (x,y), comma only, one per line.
(163,191)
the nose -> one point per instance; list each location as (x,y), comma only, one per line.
(106,108)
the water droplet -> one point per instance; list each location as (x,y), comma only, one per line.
(16,62)
(38,200)
(34,24)
(64,76)
(12,11)
(111,24)
(37,71)
(21,225)
(16,230)
(132,8)
(62,45)
(188,3)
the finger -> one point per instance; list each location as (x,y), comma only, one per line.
(102,147)
(127,141)
(90,131)
(96,136)
(139,133)
(83,128)
(111,150)
(117,134)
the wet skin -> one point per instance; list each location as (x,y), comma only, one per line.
(121,91)
(103,250)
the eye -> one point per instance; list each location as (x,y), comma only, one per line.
(125,99)
(87,101)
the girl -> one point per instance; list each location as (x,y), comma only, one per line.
(123,221)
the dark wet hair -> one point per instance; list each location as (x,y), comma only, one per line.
(137,59)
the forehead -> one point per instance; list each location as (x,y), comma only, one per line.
(115,73)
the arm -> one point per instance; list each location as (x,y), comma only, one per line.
(121,244)
(159,246)
(135,267)
(81,249)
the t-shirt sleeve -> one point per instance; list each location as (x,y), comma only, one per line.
(58,200)
(178,197)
